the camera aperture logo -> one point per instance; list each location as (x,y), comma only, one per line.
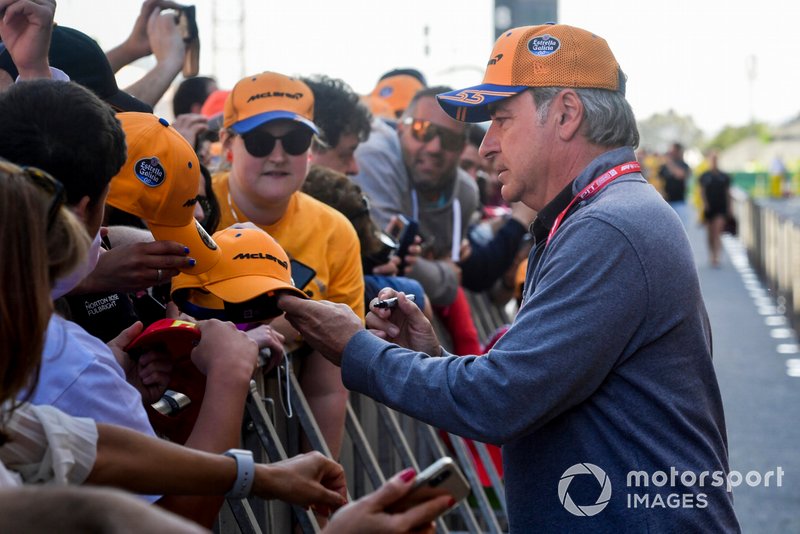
(584,510)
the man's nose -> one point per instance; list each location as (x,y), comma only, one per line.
(434,145)
(490,144)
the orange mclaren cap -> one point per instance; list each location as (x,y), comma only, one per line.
(378,107)
(550,55)
(253,265)
(159,183)
(397,91)
(266,97)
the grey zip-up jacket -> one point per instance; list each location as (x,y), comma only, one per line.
(384,179)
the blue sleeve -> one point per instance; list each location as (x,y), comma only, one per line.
(101,394)
(569,334)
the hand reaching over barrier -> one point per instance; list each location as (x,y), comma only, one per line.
(326,326)
(130,460)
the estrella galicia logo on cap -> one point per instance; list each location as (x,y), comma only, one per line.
(543,45)
(150,172)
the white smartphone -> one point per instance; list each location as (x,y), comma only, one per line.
(443,477)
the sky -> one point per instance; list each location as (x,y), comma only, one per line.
(722,62)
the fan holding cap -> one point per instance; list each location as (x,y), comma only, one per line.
(244,285)
(268,126)
(159,183)
(608,360)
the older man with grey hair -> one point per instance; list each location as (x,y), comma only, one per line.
(606,370)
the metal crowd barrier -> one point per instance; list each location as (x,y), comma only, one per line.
(770,231)
(378,443)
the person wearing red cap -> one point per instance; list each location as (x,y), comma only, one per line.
(41,445)
(44,241)
(606,372)
(268,130)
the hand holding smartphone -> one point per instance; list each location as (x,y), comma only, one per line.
(188,28)
(433,492)
(443,477)
(404,231)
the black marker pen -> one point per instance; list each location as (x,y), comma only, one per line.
(392,302)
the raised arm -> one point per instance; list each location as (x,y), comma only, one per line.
(25,27)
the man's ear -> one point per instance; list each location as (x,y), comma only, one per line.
(81,209)
(569,113)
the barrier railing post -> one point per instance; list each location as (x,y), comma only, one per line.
(437,448)
(363,450)
(478,492)
(268,437)
(494,476)
(244,516)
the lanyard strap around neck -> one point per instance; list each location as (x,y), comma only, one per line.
(593,188)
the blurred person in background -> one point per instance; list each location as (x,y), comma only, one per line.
(715,187)
(675,173)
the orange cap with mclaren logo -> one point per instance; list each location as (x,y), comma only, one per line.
(252,264)
(550,55)
(397,91)
(159,183)
(378,107)
(269,96)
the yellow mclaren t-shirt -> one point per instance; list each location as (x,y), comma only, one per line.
(315,234)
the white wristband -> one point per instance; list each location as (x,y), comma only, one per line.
(55,74)
(245,473)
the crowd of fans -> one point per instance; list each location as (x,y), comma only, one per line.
(145,259)
(108,210)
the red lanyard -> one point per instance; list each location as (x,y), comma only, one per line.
(593,188)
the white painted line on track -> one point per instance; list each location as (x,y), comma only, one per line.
(772,311)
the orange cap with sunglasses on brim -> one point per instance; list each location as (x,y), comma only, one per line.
(159,183)
(253,272)
(265,97)
(549,55)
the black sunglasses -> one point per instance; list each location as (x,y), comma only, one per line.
(424,132)
(260,143)
(51,186)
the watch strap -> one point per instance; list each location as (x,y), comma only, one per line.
(245,473)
